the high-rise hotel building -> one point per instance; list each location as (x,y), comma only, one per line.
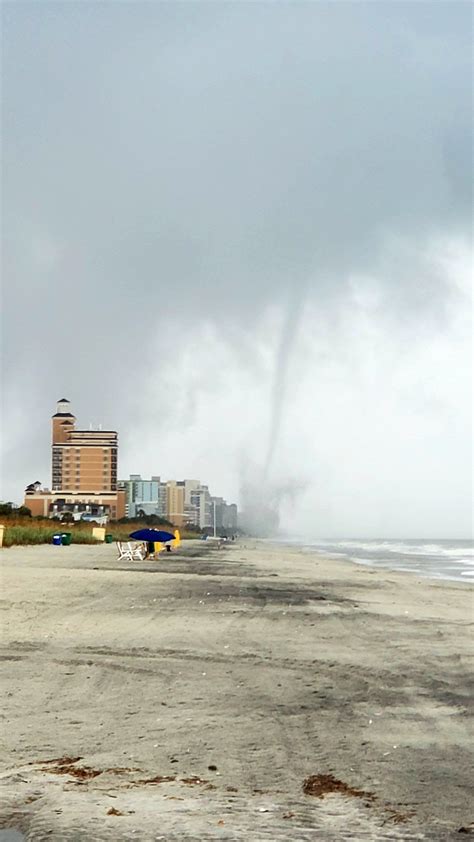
(84,461)
(84,472)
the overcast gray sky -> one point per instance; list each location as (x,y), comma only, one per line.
(238,228)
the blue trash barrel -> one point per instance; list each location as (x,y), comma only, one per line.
(57,540)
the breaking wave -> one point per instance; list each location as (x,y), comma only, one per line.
(439,559)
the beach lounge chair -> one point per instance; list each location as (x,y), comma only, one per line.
(130,551)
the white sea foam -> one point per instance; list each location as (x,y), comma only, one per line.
(402,548)
(435,559)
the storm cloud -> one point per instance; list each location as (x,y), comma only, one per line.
(239,234)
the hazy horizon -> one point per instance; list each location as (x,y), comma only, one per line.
(241,236)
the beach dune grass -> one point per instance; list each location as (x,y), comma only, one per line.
(32,534)
(25,530)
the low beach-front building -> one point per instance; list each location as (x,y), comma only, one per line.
(84,472)
(46,503)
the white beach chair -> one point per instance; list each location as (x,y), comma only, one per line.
(130,551)
(124,552)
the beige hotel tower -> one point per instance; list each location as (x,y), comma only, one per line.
(84,471)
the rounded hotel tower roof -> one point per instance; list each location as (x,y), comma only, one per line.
(62,409)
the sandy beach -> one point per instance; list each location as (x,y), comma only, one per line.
(253,693)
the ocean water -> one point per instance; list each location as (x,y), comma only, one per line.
(437,559)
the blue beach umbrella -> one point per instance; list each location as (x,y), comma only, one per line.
(152,536)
